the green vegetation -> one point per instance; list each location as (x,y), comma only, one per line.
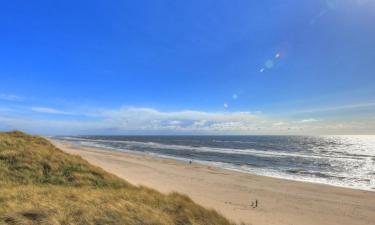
(40,184)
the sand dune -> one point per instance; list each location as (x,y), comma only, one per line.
(234,194)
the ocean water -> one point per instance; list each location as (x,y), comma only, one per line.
(347,161)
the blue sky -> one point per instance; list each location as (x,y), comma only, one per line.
(188,67)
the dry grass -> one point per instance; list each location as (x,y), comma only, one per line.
(40,184)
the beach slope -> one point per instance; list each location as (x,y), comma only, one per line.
(40,184)
(234,194)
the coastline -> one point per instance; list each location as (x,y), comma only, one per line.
(234,193)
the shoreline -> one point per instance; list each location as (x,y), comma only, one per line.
(217,165)
(233,193)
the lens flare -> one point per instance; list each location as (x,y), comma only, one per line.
(269,64)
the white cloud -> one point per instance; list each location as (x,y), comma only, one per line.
(47,110)
(174,122)
(132,120)
(149,113)
(310,120)
(277,124)
(185,120)
(190,121)
(199,123)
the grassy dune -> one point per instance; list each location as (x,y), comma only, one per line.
(40,184)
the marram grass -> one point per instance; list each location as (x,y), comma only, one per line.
(40,184)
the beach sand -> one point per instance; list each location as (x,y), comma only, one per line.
(233,194)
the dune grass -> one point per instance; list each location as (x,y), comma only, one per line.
(40,184)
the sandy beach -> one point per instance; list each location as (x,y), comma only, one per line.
(279,202)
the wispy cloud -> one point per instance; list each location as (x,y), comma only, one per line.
(184,120)
(11,97)
(4,109)
(190,121)
(133,120)
(309,120)
(338,108)
(48,110)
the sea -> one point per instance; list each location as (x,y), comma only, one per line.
(345,161)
